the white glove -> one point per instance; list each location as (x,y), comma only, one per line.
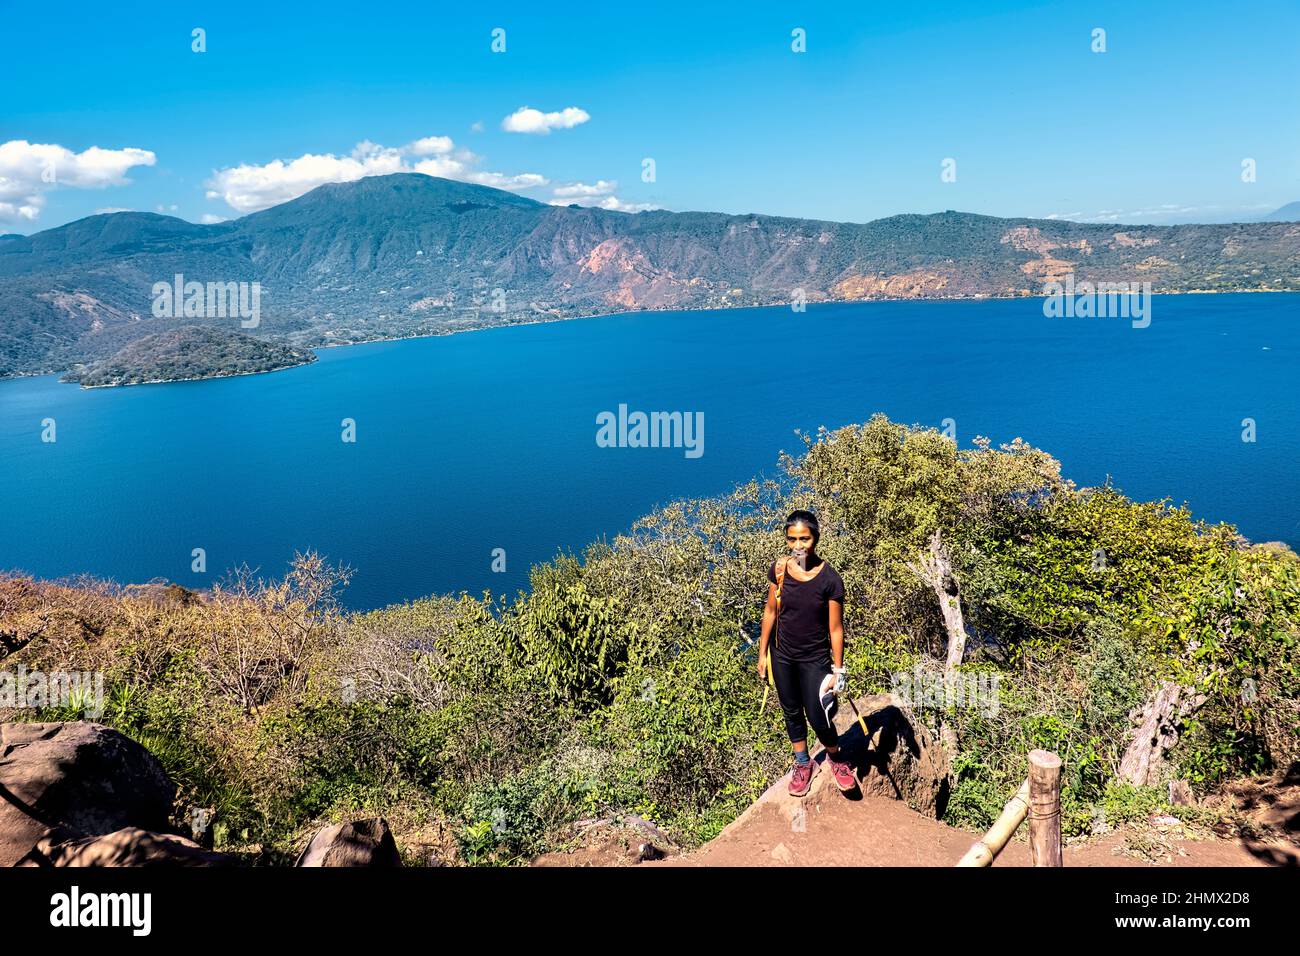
(841,679)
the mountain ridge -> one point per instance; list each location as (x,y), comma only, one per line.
(408,254)
(1288,213)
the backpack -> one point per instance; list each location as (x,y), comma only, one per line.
(776,626)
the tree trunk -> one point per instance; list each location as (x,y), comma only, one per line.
(935,569)
(1157,731)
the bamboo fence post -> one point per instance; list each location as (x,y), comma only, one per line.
(1013,814)
(1044,808)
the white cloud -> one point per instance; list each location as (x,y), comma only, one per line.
(502,181)
(250,187)
(601,187)
(110,209)
(432,146)
(211,220)
(28,211)
(576,192)
(1165,214)
(528,120)
(30,170)
(618,205)
(601,196)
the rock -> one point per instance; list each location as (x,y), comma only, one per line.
(129,846)
(623,839)
(903,760)
(82,779)
(1180,794)
(200,821)
(630,821)
(360,843)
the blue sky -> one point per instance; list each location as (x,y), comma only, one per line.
(1155,129)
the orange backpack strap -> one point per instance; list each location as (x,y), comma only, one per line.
(780,581)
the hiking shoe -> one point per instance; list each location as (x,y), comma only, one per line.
(801,777)
(843,773)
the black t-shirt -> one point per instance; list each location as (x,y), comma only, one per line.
(803,630)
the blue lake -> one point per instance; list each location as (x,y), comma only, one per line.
(486,440)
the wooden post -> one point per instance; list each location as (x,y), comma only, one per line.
(1013,814)
(1039,798)
(1044,808)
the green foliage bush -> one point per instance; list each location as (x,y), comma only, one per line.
(625,681)
(576,640)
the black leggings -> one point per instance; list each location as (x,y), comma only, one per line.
(797,687)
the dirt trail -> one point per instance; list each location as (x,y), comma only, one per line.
(828,828)
(905,777)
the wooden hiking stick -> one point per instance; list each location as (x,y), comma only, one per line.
(863,724)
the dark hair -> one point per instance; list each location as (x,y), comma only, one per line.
(808,519)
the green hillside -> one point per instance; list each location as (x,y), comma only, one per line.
(407,254)
(189,352)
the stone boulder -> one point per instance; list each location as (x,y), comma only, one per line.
(129,846)
(360,843)
(902,761)
(77,780)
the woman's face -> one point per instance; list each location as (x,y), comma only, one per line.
(799,538)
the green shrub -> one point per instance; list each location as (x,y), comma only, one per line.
(691,729)
(577,640)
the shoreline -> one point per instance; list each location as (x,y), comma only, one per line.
(601,315)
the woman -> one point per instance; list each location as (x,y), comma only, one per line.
(808,662)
